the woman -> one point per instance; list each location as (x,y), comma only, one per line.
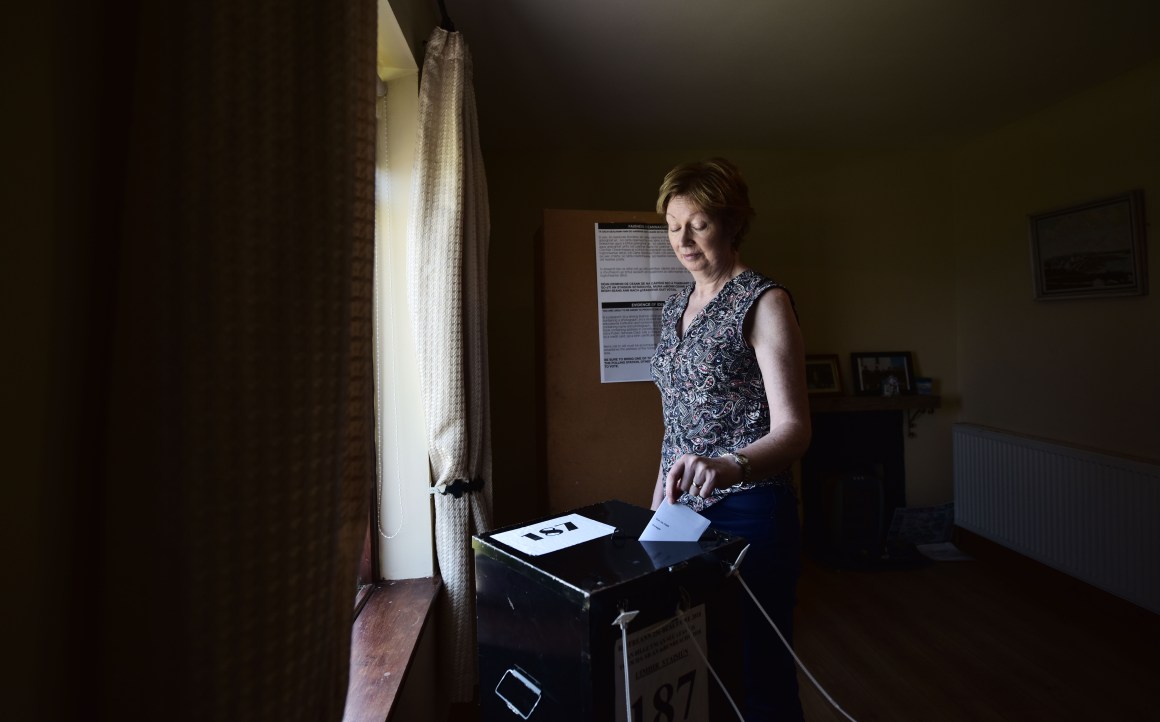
(731,372)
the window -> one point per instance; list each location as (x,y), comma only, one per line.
(402,532)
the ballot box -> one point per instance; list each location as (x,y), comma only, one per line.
(548,595)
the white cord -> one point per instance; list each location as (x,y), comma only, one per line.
(681,616)
(385,207)
(622,620)
(625,617)
(790,649)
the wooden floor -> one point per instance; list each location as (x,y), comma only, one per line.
(995,638)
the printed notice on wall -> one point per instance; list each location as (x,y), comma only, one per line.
(666,675)
(636,271)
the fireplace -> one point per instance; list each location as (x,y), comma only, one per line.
(854,475)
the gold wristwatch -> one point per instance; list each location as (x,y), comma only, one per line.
(742,461)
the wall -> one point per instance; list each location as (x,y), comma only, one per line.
(416,19)
(920,251)
(521,185)
(1078,371)
(861,240)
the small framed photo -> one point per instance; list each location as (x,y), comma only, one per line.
(883,373)
(1090,250)
(823,375)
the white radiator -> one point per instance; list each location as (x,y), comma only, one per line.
(1091,515)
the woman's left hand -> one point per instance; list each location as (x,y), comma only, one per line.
(699,476)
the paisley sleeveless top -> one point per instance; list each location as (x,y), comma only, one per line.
(712,393)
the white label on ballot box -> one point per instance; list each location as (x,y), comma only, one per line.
(554,534)
(667,677)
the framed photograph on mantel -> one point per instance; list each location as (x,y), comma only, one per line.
(1090,250)
(823,375)
(883,373)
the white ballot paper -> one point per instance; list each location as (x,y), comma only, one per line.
(674,522)
(554,534)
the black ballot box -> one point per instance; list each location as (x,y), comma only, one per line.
(549,648)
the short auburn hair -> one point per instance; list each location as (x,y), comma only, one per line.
(714,186)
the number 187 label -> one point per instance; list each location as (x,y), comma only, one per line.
(552,535)
(667,677)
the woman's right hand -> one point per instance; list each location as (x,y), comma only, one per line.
(699,476)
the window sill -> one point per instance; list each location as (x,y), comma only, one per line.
(384,638)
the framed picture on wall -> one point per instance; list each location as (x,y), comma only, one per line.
(883,373)
(1090,250)
(822,374)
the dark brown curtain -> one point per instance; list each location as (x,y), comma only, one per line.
(214,356)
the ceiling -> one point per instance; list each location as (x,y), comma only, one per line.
(838,74)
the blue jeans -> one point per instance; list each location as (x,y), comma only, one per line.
(767,518)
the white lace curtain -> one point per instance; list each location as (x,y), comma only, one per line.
(447,273)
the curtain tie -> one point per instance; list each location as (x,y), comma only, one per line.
(458,487)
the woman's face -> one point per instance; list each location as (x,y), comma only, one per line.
(700,243)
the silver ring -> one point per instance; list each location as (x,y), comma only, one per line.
(696,485)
